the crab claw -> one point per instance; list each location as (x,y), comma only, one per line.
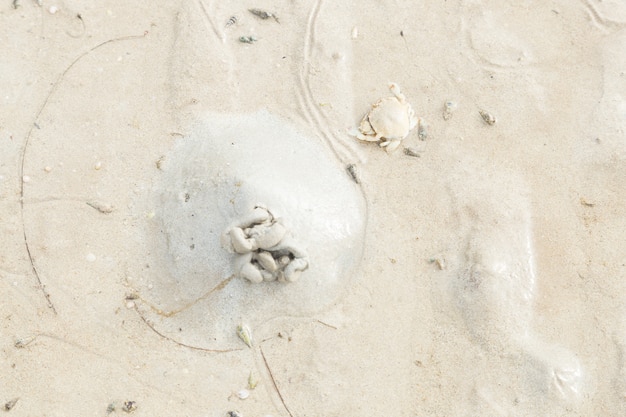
(395,89)
(390,145)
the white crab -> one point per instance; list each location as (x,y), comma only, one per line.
(389,121)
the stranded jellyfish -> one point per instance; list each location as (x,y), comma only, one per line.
(251,220)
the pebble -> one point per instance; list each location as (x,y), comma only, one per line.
(243,394)
(26,178)
(90,257)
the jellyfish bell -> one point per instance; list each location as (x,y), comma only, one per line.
(228,170)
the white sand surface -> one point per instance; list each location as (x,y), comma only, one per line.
(483,277)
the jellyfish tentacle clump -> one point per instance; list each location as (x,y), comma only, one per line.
(265,249)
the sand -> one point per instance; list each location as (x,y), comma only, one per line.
(491,275)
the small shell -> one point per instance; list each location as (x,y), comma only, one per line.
(354,174)
(355,32)
(252,382)
(488,118)
(411,152)
(243,394)
(262,14)
(586,203)
(231,21)
(9,405)
(247,39)
(129,406)
(422,129)
(101,207)
(448,109)
(244,334)
(160,163)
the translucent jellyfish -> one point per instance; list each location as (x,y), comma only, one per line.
(213,179)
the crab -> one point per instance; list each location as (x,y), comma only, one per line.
(388,122)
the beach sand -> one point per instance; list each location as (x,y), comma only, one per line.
(489,266)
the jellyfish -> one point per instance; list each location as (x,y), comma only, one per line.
(255,176)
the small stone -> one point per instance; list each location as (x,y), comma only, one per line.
(90,257)
(244,334)
(243,394)
(98,166)
(26,178)
(8,406)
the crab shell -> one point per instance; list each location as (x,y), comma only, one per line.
(389,119)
